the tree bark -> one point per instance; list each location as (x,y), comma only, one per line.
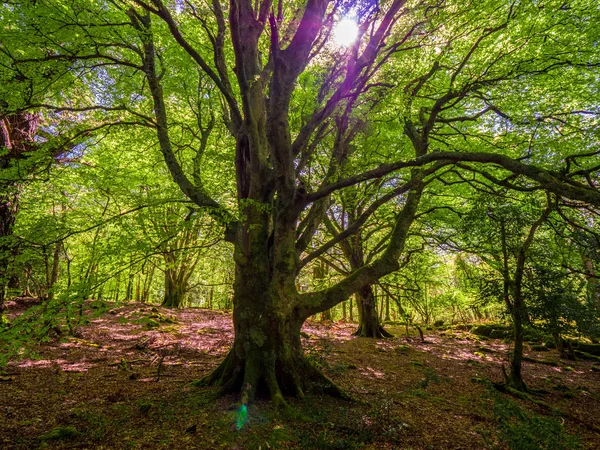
(593,289)
(267,355)
(175,289)
(517,306)
(516,377)
(8,211)
(369,324)
(268,242)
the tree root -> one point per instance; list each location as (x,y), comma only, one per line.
(379,333)
(124,361)
(587,356)
(539,361)
(523,395)
(326,385)
(272,376)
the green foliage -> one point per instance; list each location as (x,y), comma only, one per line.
(60,433)
(527,431)
(44,322)
(556,303)
(167,146)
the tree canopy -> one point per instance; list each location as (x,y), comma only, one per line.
(270,127)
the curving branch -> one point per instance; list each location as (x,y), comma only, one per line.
(196,193)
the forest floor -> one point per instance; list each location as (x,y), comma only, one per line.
(124,382)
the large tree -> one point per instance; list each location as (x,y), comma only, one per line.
(441,90)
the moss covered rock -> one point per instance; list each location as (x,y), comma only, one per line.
(539,348)
(152,324)
(592,349)
(60,433)
(482,330)
(500,333)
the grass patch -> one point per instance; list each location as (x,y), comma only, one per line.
(521,430)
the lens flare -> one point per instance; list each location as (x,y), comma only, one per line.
(345,32)
(242,416)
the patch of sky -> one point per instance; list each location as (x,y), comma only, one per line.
(101,87)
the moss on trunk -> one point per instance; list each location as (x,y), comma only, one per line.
(369,324)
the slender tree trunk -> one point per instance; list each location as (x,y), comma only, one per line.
(516,377)
(54,272)
(149,277)
(117,287)
(138,287)
(387,308)
(351,309)
(593,289)
(129,290)
(518,308)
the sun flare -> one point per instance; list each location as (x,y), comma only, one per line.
(345,32)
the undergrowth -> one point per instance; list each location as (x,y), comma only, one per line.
(523,430)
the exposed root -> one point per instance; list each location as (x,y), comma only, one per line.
(326,385)
(379,333)
(420,332)
(539,361)
(277,377)
(506,389)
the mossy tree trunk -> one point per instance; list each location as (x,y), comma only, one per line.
(515,379)
(175,289)
(8,210)
(281,199)
(593,287)
(179,267)
(267,353)
(369,323)
(272,240)
(181,255)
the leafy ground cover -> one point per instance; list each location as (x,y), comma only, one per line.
(124,381)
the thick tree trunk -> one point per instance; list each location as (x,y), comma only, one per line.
(175,290)
(6,222)
(267,355)
(369,324)
(268,311)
